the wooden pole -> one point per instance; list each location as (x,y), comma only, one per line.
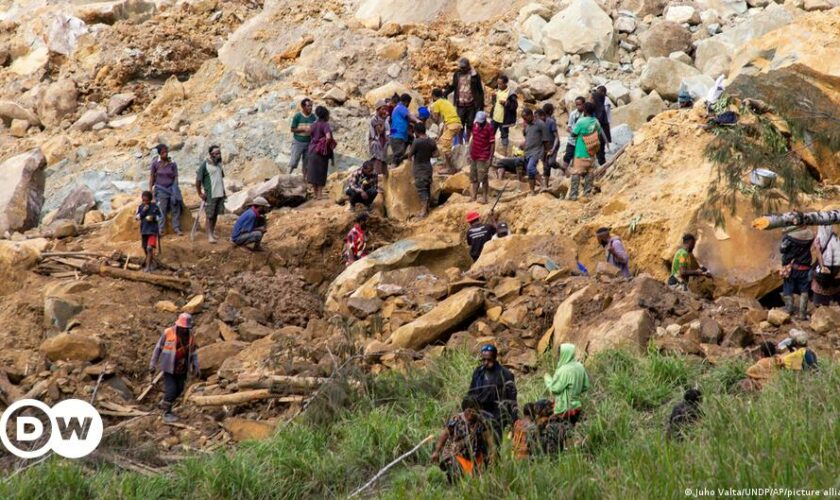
(395,462)
(149,388)
(242,397)
(182,285)
(774,221)
(282,383)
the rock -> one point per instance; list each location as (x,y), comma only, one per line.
(682,14)
(58,102)
(446,315)
(119,102)
(372,23)
(625,24)
(698,86)
(61,228)
(673,329)
(532,29)
(90,118)
(528,46)
(362,308)
(681,57)
(716,66)
(61,303)
(777,317)
(541,87)
(211,357)
(76,204)
(616,90)
(109,12)
(400,197)
(825,319)
(524,250)
(250,331)
(279,191)
(507,289)
(336,96)
(19,128)
(458,183)
(665,75)
(663,38)
(440,252)
(632,331)
(56,149)
(243,429)
(724,8)
(814,5)
(621,135)
(606,269)
(597,38)
(122,122)
(515,317)
(637,112)
(642,8)
(710,331)
(72,347)
(22,182)
(388,90)
(171,93)
(12,111)
(195,305)
(166,306)
(124,227)
(392,51)
(678,346)
(494,313)
(740,336)
(93,217)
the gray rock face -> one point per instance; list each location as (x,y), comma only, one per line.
(76,205)
(22,182)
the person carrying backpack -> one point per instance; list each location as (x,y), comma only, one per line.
(590,136)
(825,285)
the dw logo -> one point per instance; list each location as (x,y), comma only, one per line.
(74,428)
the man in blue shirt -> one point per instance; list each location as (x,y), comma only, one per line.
(251,225)
(400,119)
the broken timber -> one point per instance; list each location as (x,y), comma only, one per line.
(242,397)
(283,384)
(171,282)
(824,218)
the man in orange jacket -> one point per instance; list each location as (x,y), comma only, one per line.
(174,355)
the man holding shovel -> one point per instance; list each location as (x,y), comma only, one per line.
(175,355)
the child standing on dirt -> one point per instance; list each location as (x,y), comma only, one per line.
(148,213)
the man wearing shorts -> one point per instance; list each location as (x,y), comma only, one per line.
(482,147)
(210,185)
(444,112)
(537,143)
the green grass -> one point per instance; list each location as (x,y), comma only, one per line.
(787,436)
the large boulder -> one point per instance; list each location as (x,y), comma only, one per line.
(13,111)
(58,102)
(389,89)
(663,38)
(211,357)
(525,250)
(279,191)
(76,205)
(112,11)
(249,359)
(725,8)
(399,11)
(72,347)
(765,67)
(637,112)
(540,87)
(436,251)
(532,28)
(593,32)
(16,257)
(445,316)
(243,429)
(22,181)
(642,8)
(124,227)
(62,303)
(726,43)
(90,119)
(400,197)
(664,75)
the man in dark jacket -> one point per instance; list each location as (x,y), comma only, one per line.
(494,387)
(467,94)
(796,266)
(684,414)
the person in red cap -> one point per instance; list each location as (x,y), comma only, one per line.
(174,355)
(478,234)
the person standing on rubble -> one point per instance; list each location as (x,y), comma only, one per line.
(685,265)
(163,182)
(536,146)
(301,123)
(421,152)
(321,152)
(444,113)
(468,95)
(505,105)
(149,214)
(796,268)
(589,138)
(210,185)
(175,354)
(616,254)
(494,386)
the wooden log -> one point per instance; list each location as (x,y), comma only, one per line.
(241,397)
(38,389)
(774,221)
(149,388)
(603,170)
(182,285)
(73,254)
(279,383)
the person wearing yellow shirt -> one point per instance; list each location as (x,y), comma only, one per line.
(505,105)
(444,113)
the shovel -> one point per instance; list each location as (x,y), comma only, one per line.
(196,221)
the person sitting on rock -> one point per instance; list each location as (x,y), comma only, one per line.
(355,244)
(251,225)
(685,414)
(568,382)
(760,373)
(616,253)
(799,357)
(685,265)
(464,447)
(478,234)
(175,354)
(494,386)
(149,215)
(363,186)
(421,152)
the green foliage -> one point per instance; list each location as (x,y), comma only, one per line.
(786,436)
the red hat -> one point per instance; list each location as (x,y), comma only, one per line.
(473,216)
(184,320)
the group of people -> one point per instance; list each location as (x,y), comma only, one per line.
(810,264)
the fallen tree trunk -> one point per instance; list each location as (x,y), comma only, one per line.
(241,397)
(603,169)
(282,383)
(824,218)
(180,284)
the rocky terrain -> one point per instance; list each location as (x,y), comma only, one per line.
(87,89)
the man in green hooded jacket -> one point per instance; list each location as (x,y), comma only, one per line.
(567,384)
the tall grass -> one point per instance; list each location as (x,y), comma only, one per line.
(786,436)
